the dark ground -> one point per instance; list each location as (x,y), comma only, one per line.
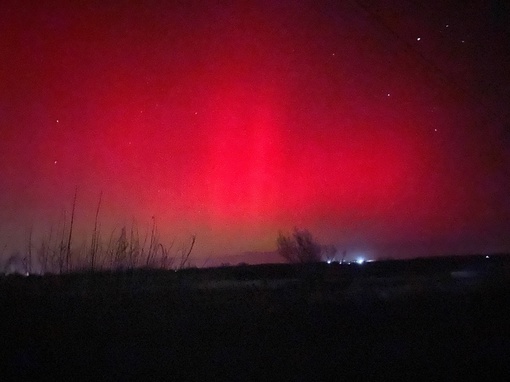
(326,324)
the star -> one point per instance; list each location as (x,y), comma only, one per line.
(418,39)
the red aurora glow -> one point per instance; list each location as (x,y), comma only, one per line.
(233,121)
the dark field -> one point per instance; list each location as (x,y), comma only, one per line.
(433,319)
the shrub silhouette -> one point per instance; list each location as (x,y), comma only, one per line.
(299,248)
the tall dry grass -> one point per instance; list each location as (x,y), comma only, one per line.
(58,251)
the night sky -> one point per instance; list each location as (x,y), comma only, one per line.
(381,126)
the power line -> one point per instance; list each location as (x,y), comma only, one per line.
(428,64)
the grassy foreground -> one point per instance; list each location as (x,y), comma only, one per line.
(439,318)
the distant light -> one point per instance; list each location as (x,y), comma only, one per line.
(486,257)
(447,25)
(418,39)
(360,260)
(328,261)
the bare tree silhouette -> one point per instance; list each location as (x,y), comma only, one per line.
(299,248)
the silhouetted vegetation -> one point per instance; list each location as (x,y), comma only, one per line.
(130,306)
(299,248)
(57,251)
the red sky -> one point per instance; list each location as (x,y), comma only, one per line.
(378,126)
